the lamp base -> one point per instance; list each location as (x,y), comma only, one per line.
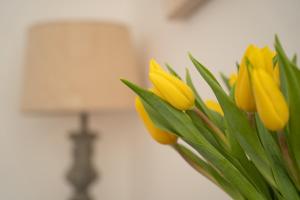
(82,173)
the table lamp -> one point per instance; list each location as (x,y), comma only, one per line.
(74,68)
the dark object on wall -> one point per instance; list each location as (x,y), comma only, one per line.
(181,9)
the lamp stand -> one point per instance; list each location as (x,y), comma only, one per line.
(82,173)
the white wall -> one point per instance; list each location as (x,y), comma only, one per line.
(35,152)
(219,32)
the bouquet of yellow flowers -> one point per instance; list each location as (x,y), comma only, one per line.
(247,143)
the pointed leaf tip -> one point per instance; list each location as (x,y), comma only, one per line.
(187,71)
(126,82)
(277,39)
(277,42)
(131,85)
(190,55)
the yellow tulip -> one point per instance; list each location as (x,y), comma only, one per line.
(258,58)
(215,106)
(171,89)
(271,105)
(232,79)
(160,136)
(268,56)
(243,94)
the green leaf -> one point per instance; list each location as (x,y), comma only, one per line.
(239,125)
(182,124)
(158,120)
(199,102)
(294,59)
(249,169)
(226,81)
(290,79)
(284,183)
(238,153)
(211,76)
(278,196)
(208,171)
(210,136)
(239,160)
(236,149)
(213,116)
(237,66)
(172,71)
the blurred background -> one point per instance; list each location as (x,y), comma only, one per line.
(35,151)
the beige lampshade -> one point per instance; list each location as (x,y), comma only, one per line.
(75,67)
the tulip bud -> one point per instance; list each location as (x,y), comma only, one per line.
(271,105)
(232,79)
(171,89)
(215,106)
(243,94)
(160,136)
(258,58)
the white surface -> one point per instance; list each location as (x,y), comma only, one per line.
(35,152)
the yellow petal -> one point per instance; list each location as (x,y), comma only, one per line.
(271,105)
(160,136)
(215,106)
(268,56)
(249,50)
(154,66)
(243,93)
(170,93)
(184,88)
(170,88)
(255,57)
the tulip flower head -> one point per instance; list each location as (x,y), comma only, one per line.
(215,106)
(158,135)
(270,102)
(261,58)
(243,94)
(170,88)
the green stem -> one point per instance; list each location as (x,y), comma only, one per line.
(192,163)
(212,126)
(289,163)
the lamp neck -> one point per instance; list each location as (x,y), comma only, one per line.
(84,120)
